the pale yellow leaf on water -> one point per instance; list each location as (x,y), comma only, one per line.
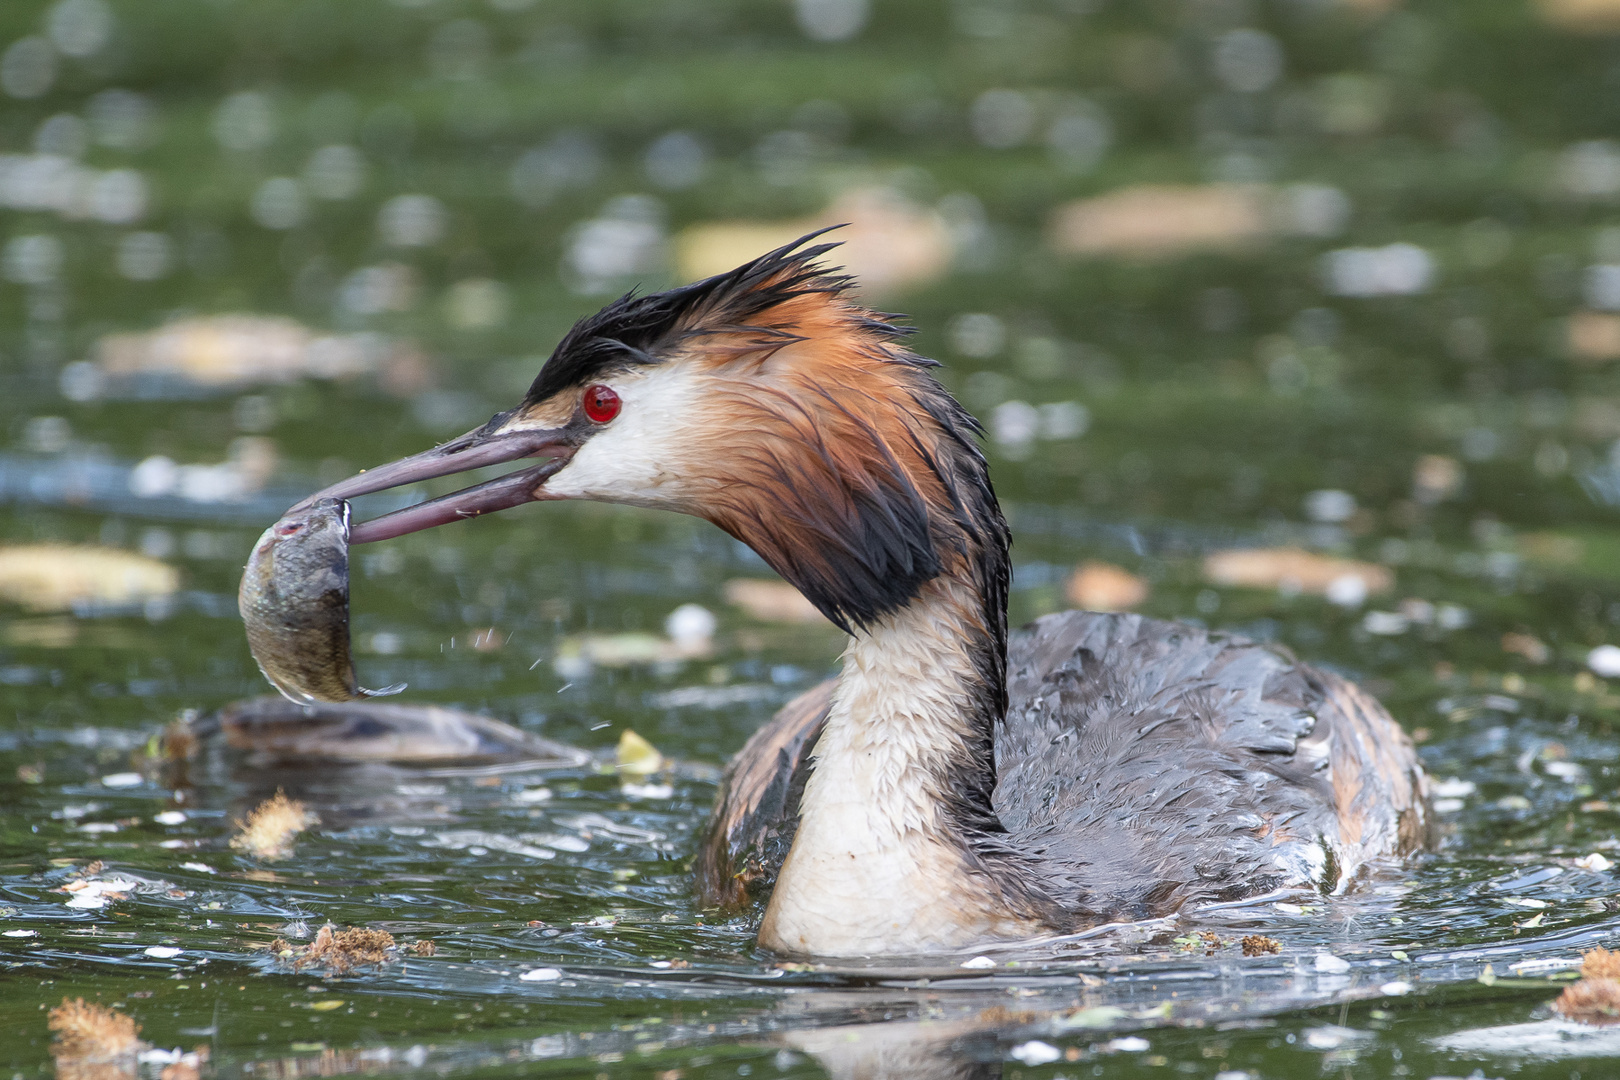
(890,243)
(1100,586)
(328,1005)
(1160,220)
(60,577)
(1550,547)
(50,632)
(616,650)
(636,756)
(1581,16)
(269,831)
(771,601)
(1593,336)
(1293,569)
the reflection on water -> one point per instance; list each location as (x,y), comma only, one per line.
(1336,283)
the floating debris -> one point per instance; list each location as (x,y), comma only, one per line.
(1604,661)
(1294,570)
(423,947)
(1260,945)
(250,464)
(1329,964)
(1201,939)
(1581,16)
(1160,220)
(1531,648)
(646,791)
(1436,478)
(1399,269)
(1332,1037)
(339,951)
(231,351)
(1152,221)
(689,635)
(1600,963)
(92,1042)
(1035,1052)
(1100,586)
(60,577)
(544,974)
(636,756)
(92,893)
(270,829)
(1594,1001)
(1593,336)
(772,601)
(890,243)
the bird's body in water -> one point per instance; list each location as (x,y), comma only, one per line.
(954,786)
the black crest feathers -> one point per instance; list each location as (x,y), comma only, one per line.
(636,330)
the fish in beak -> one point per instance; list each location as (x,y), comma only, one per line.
(492,444)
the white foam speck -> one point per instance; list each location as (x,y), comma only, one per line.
(541,975)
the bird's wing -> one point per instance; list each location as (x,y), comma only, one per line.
(1169,763)
(757,810)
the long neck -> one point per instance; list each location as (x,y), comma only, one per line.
(896,850)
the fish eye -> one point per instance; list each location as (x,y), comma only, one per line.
(601,403)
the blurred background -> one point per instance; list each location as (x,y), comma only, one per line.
(1298,318)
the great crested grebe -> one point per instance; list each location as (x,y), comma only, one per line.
(951,787)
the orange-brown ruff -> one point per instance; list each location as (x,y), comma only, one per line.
(913,805)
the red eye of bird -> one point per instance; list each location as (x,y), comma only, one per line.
(601,403)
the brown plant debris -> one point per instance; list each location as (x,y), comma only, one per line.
(1590,1001)
(1100,586)
(179,742)
(1600,963)
(1260,945)
(92,1042)
(772,601)
(340,951)
(1001,1016)
(423,947)
(1294,570)
(270,829)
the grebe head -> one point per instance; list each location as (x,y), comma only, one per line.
(766,401)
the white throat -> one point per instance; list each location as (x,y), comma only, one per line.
(874,867)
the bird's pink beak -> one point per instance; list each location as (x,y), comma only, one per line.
(480,447)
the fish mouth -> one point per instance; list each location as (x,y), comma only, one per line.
(483,446)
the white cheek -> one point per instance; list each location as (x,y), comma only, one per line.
(637,457)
